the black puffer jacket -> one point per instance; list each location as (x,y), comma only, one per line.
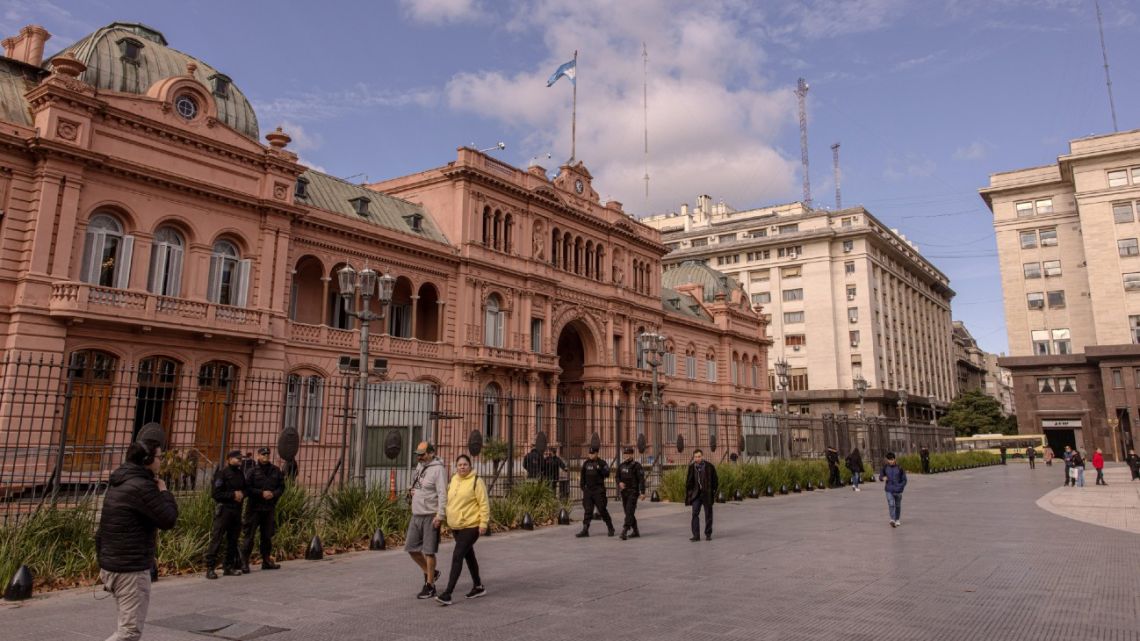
(132,511)
(262,477)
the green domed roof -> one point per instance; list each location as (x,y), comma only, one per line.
(107,69)
(697,273)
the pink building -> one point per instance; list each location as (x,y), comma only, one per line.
(168,266)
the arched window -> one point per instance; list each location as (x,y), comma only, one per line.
(304,405)
(755,372)
(710,367)
(400,309)
(493,322)
(166,263)
(229,276)
(491,407)
(156,392)
(107,253)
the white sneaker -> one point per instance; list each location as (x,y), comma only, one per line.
(898,523)
(893,524)
(858,490)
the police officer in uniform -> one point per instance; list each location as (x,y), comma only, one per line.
(593,484)
(631,483)
(228,492)
(265,483)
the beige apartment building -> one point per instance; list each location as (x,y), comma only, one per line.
(846,297)
(1067,237)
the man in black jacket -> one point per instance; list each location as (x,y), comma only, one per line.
(136,506)
(532,463)
(924,456)
(631,484)
(832,456)
(593,483)
(701,486)
(265,483)
(229,491)
(552,467)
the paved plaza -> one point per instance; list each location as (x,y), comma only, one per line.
(976,558)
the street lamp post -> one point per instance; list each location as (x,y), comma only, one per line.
(902,403)
(782,376)
(934,411)
(1112,423)
(364,282)
(861,390)
(652,348)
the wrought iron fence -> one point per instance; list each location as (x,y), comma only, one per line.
(65,426)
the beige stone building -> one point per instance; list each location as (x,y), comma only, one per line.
(999,384)
(1067,237)
(846,296)
(969,360)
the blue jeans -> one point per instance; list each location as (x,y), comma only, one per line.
(894,505)
(1081,476)
(855,479)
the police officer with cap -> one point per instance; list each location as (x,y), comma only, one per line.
(631,483)
(593,484)
(265,483)
(229,492)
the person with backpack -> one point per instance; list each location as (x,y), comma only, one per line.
(1077,463)
(468,516)
(894,478)
(854,463)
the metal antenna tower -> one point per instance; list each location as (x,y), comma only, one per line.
(1104,54)
(645,115)
(835,160)
(801,95)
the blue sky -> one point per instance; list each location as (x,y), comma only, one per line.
(926,98)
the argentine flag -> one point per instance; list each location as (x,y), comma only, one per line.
(568,69)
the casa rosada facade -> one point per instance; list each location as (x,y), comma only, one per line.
(145,226)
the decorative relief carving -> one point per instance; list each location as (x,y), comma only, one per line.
(280,191)
(67,129)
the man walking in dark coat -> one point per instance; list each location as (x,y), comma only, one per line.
(894,482)
(1031,454)
(631,484)
(136,506)
(532,463)
(229,492)
(1133,464)
(265,483)
(832,456)
(593,483)
(924,456)
(701,486)
(552,467)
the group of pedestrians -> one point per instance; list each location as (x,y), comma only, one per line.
(1075,467)
(256,486)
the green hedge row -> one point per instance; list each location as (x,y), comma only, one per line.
(58,542)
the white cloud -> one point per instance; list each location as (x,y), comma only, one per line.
(818,19)
(973,151)
(911,63)
(911,165)
(440,11)
(320,105)
(303,140)
(713,119)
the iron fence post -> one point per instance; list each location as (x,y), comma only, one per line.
(67,396)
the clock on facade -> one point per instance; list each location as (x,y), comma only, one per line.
(578,186)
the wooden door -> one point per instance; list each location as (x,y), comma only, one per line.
(89,409)
(211,434)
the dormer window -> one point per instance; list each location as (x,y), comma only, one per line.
(360,205)
(415,221)
(221,85)
(301,190)
(130,49)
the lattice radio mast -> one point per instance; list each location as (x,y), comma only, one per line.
(1104,54)
(801,95)
(645,115)
(835,160)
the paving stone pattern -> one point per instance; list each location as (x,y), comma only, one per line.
(975,559)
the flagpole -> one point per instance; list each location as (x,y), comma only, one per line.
(574,111)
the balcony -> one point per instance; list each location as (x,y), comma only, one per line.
(349,341)
(82,301)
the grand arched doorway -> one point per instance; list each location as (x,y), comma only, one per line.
(573,412)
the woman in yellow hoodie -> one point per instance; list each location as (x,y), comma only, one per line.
(468,513)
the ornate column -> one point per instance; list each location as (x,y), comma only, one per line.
(415,305)
(325,299)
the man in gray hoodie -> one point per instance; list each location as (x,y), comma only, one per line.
(428,496)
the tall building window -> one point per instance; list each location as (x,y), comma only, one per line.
(166,263)
(536,335)
(761,298)
(107,253)
(1040,339)
(793,317)
(853,314)
(1062,343)
(795,340)
(1122,212)
(229,276)
(1036,300)
(1024,209)
(1117,177)
(1044,206)
(493,322)
(848,245)
(851,290)
(1127,247)
(304,405)
(1052,268)
(1031,270)
(1134,325)
(1048,237)
(790,272)
(1132,280)
(1057,299)
(849,267)
(1028,239)
(1117,378)
(793,294)
(691,367)
(710,369)
(789,229)
(854,336)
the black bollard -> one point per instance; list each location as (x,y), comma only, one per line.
(377,542)
(810,487)
(564,517)
(768,491)
(819,485)
(783,489)
(720,497)
(527,522)
(754,493)
(738,495)
(655,497)
(796,488)
(20,587)
(316,551)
